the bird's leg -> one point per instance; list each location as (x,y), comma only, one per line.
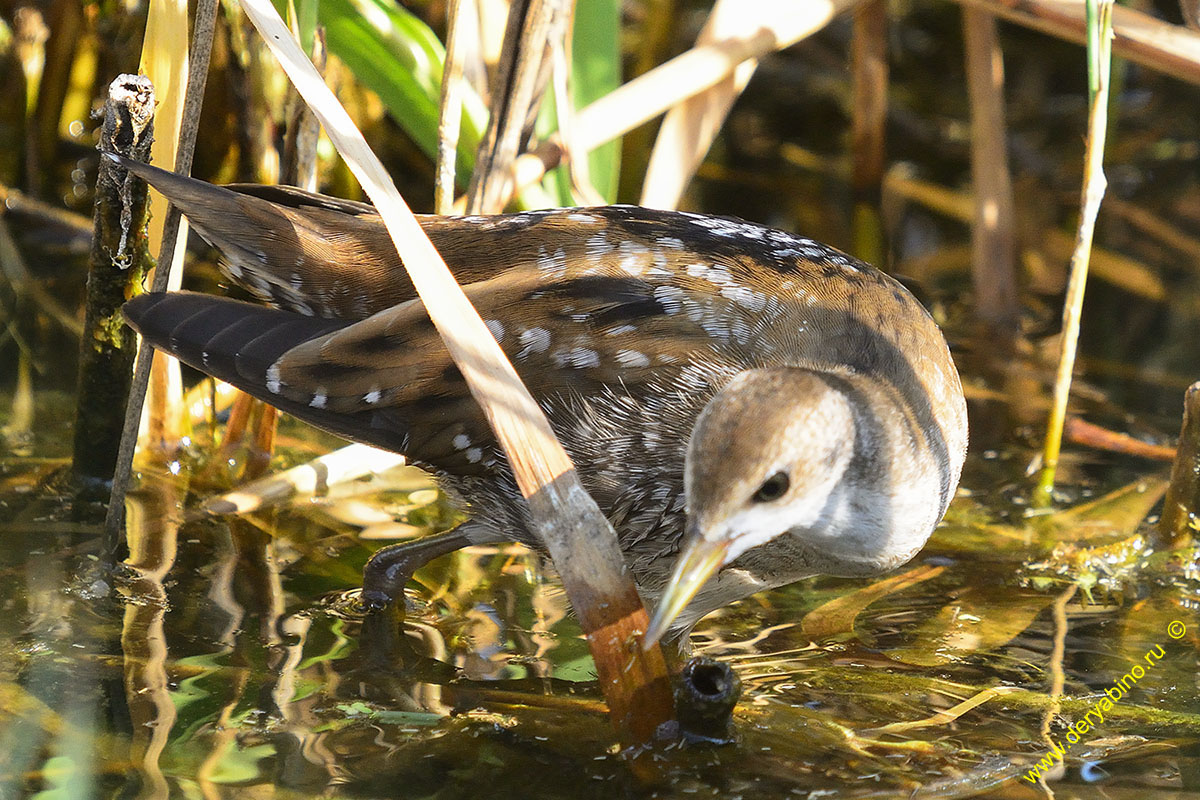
(382,641)
(387,572)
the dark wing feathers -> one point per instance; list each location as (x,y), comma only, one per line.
(389,381)
(238,342)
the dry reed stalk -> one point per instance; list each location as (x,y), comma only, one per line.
(520,83)
(1094,184)
(1151,223)
(164,60)
(869,62)
(899,185)
(312,479)
(1139,37)
(578,537)
(645,97)
(869,66)
(993,234)
(689,127)
(1120,270)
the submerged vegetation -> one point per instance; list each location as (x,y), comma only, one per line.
(1038,644)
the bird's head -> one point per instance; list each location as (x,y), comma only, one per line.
(767,457)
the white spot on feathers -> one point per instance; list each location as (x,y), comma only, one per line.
(496,327)
(632,358)
(273,383)
(533,340)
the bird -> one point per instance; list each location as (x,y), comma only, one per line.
(747,406)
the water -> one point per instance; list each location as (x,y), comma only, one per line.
(230,660)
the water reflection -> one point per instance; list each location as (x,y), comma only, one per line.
(234,658)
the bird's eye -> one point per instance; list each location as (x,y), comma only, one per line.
(773,488)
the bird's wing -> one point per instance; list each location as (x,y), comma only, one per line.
(389,381)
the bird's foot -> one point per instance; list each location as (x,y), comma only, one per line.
(387,572)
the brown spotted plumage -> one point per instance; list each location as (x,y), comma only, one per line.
(768,406)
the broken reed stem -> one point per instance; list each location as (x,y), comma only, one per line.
(706,693)
(993,232)
(1170,49)
(649,95)
(578,537)
(116,265)
(201,48)
(1094,183)
(1178,524)
(450,113)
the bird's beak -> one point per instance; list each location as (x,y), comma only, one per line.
(699,562)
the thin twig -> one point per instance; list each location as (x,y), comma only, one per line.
(1094,183)
(1080,431)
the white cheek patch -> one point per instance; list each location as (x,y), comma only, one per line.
(758,524)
